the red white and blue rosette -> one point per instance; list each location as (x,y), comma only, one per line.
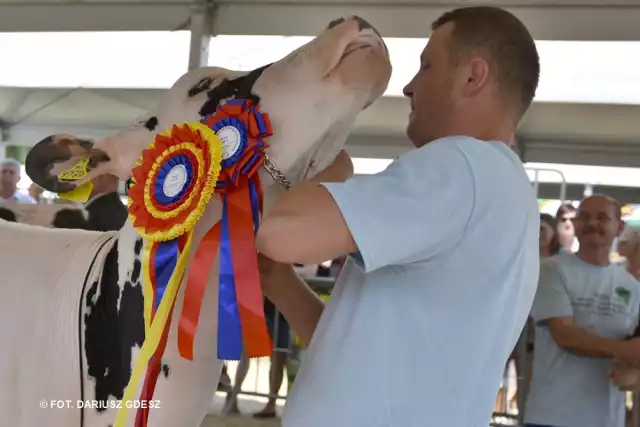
(241,127)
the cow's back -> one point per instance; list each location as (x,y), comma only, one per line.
(44,272)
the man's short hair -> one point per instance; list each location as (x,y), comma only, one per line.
(509,47)
(617,207)
(11,162)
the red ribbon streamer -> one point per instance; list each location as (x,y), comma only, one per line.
(247,277)
(195,288)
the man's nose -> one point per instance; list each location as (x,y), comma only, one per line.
(408,90)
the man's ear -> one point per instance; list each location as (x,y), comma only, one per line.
(477,76)
(65,165)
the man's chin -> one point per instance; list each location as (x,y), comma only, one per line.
(593,241)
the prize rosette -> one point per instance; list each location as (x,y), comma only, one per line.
(241,324)
(170,187)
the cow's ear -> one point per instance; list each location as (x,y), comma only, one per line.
(65,164)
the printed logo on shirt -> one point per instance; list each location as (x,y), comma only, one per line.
(623,293)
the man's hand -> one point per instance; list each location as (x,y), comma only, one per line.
(629,353)
(339,171)
(624,376)
(633,258)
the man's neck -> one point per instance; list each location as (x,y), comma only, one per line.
(545,252)
(7,193)
(484,129)
(595,256)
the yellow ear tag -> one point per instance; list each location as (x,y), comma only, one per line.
(78,171)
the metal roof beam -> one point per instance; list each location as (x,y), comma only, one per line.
(393,19)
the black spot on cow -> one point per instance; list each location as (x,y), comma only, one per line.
(203,85)
(137,265)
(111,333)
(151,123)
(240,87)
(97,156)
(364,25)
(335,23)
(165,370)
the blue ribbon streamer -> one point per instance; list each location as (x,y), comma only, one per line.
(165,261)
(255,204)
(229,327)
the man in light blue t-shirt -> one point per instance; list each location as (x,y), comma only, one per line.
(444,246)
(584,310)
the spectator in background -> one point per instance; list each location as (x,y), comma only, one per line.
(106,210)
(35,191)
(584,309)
(630,234)
(280,335)
(8,215)
(9,179)
(71,218)
(565,227)
(549,240)
(324,269)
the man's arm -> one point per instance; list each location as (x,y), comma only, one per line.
(308,210)
(290,294)
(415,209)
(582,342)
(553,308)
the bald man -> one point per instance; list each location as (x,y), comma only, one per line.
(585,309)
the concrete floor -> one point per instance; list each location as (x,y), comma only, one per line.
(257,381)
(213,421)
(248,405)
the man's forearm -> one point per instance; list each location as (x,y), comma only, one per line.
(296,301)
(584,343)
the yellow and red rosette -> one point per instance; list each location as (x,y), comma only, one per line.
(170,187)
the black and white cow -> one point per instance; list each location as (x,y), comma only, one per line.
(71,301)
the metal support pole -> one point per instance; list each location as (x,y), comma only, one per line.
(201,30)
(4,137)
(588,190)
(636,410)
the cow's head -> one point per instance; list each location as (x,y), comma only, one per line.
(312,97)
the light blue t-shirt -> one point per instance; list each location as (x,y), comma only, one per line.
(420,333)
(569,390)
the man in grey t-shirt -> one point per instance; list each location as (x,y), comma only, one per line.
(584,309)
